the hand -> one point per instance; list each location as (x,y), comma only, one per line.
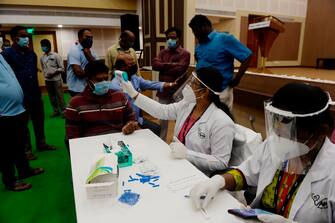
(233,83)
(178,150)
(208,189)
(128,88)
(169,85)
(273,218)
(130,127)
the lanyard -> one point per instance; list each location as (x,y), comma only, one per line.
(184,130)
(290,193)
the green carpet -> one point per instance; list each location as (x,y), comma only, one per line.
(51,198)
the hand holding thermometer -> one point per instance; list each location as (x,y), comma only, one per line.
(121,75)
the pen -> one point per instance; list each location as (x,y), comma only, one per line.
(202,197)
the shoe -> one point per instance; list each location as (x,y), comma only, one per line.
(30,156)
(54,114)
(46,147)
(32,172)
(19,186)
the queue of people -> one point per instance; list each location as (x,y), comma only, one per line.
(293,170)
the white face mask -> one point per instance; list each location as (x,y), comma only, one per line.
(188,94)
(286,149)
(1,42)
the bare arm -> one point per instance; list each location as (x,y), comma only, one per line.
(78,71)
(88,55)
(241,71)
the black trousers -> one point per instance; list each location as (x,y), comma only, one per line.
(35,111)
(12,155)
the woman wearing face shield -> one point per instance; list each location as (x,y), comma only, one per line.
(294,169)
(204,129)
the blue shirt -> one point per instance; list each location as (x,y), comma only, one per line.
(220,52)
(76,56)
(24,65)
(11,96)
(139,84)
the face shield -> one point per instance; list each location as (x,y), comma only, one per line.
(286,139)
(196,85)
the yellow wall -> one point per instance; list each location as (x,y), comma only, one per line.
(96,4)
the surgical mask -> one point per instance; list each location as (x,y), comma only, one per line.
(45,49)
(101,88)
(23,41)
(171,43)
(188,94)
(133,69)
(87,43)
(1,42)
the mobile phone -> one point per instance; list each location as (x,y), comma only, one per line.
(247,213)
(121,75)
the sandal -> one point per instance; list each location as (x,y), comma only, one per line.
(19,186)
(32,172)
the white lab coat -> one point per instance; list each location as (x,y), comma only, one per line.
(210,139)
(315,199)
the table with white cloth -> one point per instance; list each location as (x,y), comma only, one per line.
(165,203)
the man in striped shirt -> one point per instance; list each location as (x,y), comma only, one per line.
(99,110)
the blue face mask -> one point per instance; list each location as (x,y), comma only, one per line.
(45,49)
(23,41)
(101,88)
(171,43)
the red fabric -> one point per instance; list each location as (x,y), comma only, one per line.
(333,137)
(89,114)
(170,72)
(186,128)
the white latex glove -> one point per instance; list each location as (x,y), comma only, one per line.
(188,94)
(178,149)
(273,218)
(128,88)
(205,191)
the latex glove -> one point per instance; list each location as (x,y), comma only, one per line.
(128,88)
(130,127)
(188,94)
(208,189)
(273,218)
(178,149)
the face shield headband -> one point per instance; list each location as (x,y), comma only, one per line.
(194,74)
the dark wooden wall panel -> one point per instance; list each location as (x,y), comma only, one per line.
(286,46)
(319,31)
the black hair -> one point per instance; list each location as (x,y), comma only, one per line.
(173,29)
(81,32)
(95,67)
(119,63)
(45,42)
(302,98)
(15,30)
(199,21)
(213,79)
